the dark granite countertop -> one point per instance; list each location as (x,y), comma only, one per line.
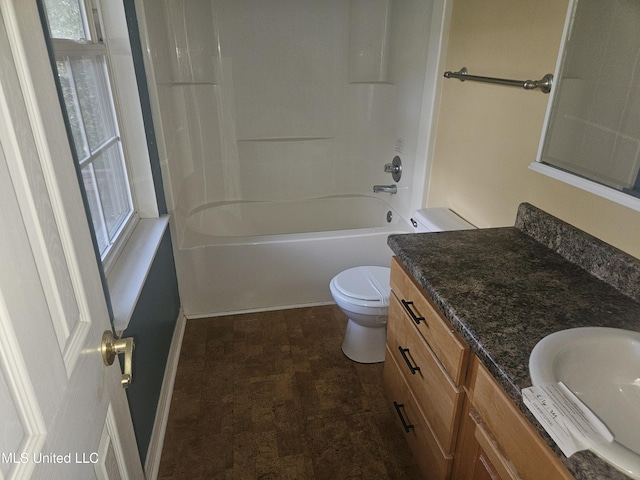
(504,289)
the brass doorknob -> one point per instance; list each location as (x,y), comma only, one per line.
(111,347)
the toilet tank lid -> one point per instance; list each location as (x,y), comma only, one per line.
(440,220)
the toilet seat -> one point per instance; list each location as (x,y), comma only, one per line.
(366,286)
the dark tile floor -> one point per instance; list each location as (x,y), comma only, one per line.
(271,396)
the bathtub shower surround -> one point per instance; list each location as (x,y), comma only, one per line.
(275,118)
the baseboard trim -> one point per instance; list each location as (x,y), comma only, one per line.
(152,463)
(197,316)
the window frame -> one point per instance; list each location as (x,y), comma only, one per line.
(68,49)
(569,177)
(112,27)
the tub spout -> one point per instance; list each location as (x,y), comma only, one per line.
(385,188)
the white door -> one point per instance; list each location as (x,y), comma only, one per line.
(63,413)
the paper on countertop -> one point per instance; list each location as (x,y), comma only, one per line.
(566,419)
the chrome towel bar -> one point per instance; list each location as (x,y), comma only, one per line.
(544,84)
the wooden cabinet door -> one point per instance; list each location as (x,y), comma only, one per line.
(477,456)
(484,469)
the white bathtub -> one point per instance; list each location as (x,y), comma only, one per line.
(246,256)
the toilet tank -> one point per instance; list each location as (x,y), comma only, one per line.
(438,220)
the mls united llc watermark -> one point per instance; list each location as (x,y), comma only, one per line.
(66,458)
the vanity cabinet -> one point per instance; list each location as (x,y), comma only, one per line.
(425,365)
(495,440)
(458,421)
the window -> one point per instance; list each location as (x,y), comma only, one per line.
(592,135)
(83,68)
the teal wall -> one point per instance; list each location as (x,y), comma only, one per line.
(154,318)
(152,327)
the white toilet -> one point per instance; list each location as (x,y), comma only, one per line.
(362,293)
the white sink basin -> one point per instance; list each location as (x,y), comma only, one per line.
(601,366)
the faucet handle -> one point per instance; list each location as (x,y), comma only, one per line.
(394,168)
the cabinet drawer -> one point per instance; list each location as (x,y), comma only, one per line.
(450,350)
(438,397)
(514,435)
(433,463)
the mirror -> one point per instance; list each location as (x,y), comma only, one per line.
(593,123)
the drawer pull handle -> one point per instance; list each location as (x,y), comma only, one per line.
(407,426)
(407,306)
(403,352)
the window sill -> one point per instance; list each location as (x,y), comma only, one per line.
(129,273)
(612,194)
